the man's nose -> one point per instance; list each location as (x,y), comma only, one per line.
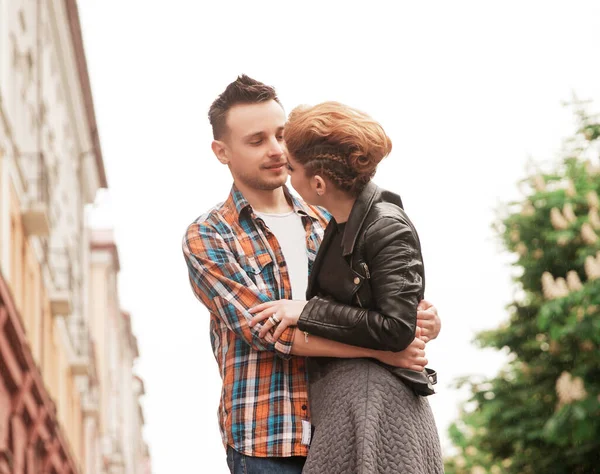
(276,147)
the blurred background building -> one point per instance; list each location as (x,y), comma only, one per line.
(69,398)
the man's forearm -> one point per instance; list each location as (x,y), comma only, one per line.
(315,346)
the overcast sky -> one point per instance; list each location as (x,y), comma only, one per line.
(468,92)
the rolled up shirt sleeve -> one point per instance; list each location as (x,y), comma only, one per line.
(223,286)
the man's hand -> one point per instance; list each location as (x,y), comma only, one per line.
(428,320)
(279,314)
(413,357)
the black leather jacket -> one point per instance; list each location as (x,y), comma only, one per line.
(383,284)
(381,287)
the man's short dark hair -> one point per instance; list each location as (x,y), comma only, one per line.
(244,90)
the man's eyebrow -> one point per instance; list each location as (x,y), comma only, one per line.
(253,134)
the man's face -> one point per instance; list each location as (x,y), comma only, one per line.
(254,147)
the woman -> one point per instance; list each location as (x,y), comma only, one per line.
(364,288)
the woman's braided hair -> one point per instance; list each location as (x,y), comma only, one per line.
(336,142)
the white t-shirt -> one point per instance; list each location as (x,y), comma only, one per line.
(289,231)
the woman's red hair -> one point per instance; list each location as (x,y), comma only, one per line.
(341,143)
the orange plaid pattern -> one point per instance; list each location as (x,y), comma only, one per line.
(235,263)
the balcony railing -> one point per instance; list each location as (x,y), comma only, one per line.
(113,454)
(61,270)
(80,343)
(90,404)
(36,211)
(81,339)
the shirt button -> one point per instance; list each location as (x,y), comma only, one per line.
(304,407)
(356,280)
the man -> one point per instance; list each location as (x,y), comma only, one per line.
(259,246)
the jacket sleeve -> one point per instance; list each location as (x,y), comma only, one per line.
(396,283)
(222,285)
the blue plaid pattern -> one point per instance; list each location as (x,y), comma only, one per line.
(235,263)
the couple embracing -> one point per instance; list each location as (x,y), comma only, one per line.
(317,314)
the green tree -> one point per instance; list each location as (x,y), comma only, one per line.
(541,413)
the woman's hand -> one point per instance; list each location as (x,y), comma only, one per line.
(287,312)
(428,320)
(413,357)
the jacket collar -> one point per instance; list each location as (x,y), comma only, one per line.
(365,201)
(363,204)
(357,217)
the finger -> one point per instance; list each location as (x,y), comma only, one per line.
(417,344)
(427,326)
(418,368)
(417,355)
(266,328)
(417,341)
(280,328)
(425,315)
(424,304)
(262,316)
(420,353)
(425,339)
(426,330)
(261,306)
(426,319)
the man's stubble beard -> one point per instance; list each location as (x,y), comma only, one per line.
(254,182)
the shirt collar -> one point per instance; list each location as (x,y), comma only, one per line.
(237,202)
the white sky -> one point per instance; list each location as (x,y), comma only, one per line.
(466,90)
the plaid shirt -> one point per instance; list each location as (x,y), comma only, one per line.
(235,263)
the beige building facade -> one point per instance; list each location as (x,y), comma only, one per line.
(56,395)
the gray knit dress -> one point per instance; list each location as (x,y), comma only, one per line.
(366,419)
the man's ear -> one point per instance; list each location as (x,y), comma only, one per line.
(221,151)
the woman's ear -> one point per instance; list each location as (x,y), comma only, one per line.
(319,185)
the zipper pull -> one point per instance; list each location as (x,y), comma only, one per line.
(306,336)
(366,269)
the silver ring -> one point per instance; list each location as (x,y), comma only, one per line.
(276,319)
(272,320)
